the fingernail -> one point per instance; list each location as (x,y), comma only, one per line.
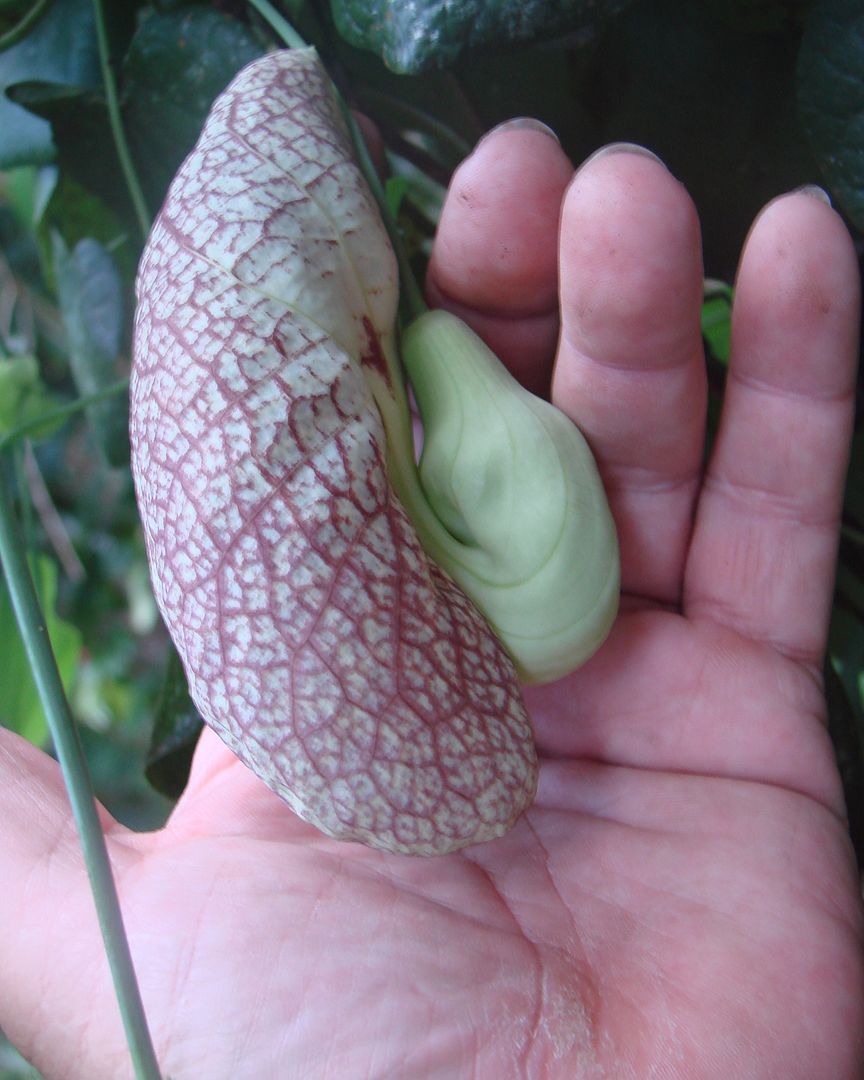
(815,192)
(622,148)
(521,123)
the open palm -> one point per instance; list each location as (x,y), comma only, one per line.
(681,901)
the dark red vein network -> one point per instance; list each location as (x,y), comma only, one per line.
(320,642)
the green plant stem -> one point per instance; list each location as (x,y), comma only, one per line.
(278,23)
(43,665)
(411,298)
(23,28)
(122,146)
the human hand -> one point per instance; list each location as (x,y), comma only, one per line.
(681,900)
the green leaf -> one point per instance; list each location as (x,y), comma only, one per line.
(91,302)
(74,213)
(23,395)
(84,148)
(60,50)
(175,733)
(394,191)
(176,65)
(717,322)
(434,33)
(21,709)
(18,193)
(831,97)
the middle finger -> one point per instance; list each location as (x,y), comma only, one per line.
(630,369)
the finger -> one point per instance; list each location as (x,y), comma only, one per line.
(494,259)
(224,797)
(630,369)
(35,816)
(211,757)
(765,540)
(219,785)
(51,933)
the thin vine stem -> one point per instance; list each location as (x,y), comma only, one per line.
(411,296)
(31,624)
(133,185)
(279,23)
(420,121)
(21,29)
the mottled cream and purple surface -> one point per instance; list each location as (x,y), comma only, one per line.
(319,641)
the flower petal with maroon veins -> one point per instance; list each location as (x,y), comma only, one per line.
(320,642)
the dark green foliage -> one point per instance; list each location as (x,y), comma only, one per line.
(91,302)
(81,140)
(24,398)
(831,95)
(176,65)
(21,707)
(434,33)
(61,50)
(175,732)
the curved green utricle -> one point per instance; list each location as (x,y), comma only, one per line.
(526,529)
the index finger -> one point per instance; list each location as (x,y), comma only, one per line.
(494,262)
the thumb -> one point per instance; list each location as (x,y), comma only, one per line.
(50,945)
(35,816)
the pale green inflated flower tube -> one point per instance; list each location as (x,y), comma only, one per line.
(526,530)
